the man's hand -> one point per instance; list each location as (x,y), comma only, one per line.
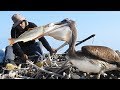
(53,51)
(24,57)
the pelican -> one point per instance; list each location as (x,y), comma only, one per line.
(91,59)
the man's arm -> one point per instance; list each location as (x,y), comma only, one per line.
(16,46)
(47,46)
(45,43)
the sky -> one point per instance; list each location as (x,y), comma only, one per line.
(104,24)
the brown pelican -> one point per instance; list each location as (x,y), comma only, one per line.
(91,59)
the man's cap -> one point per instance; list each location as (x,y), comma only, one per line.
(17,18)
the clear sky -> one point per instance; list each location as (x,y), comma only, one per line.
(105,24)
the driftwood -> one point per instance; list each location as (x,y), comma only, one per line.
(43,70)
(79,42)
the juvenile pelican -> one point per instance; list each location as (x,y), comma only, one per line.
(91,59)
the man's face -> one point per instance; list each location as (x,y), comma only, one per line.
(22,24)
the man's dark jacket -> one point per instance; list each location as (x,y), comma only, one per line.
(17,47)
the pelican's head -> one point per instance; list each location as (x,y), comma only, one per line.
(56,25)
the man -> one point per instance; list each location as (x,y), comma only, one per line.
(26,49)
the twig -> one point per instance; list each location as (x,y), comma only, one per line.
(52,73)
(61,46)
(85,39)
(82,41)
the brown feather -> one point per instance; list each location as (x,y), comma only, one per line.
(102,52)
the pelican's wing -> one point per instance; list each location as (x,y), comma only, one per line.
(102,52)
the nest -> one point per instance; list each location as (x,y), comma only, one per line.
(51,68)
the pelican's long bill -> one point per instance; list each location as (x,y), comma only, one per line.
(52,29)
